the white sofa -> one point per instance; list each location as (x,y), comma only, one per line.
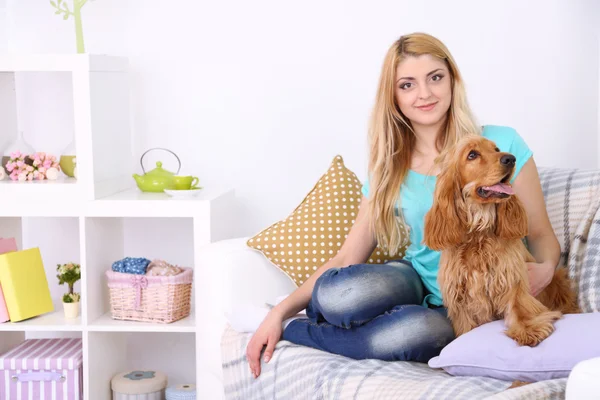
(245,276)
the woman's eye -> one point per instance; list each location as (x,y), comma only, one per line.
(437,77)
(472,155)
(406,85)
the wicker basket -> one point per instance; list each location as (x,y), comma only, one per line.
(162,299)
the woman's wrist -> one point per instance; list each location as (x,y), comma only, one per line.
(278,312)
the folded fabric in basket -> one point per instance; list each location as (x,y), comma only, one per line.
(162,268)
(131,265)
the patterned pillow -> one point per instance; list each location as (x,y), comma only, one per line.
(315,231)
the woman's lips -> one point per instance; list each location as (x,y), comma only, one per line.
(427,107)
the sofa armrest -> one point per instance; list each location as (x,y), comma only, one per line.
(243,275)
(227,274)
(584,380)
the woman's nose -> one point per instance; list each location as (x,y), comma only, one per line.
(424,91)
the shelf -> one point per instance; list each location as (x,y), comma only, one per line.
(15,62)
(62,200)
(135,203)
(117,352)
(107,324)
(58,99)
(54,321)
(22,198)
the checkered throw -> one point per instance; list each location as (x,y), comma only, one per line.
(573,202)
(295,372)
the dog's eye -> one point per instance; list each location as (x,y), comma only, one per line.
(472,155)
(497,150)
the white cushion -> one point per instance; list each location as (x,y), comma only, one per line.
(246,276)
(584,380)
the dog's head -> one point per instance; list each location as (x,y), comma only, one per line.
(480,170)
(473,194)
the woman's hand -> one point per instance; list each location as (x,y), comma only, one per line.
(268,333)
(540,275)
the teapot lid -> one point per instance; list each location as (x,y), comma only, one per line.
(159,171)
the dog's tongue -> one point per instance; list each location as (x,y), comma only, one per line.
(500,188)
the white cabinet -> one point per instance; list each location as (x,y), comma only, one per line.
(101,217)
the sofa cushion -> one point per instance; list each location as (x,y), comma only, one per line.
(316,229)
(488,351)
(233,265)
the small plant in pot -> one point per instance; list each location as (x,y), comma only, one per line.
(69,273)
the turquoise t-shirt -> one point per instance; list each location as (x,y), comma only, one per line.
(416,198)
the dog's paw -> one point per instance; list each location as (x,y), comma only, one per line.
(517,384)
(531,336)
(534,332)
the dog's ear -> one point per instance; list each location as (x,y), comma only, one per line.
(511,219)
(444,226)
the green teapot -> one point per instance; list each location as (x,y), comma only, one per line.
(159,178)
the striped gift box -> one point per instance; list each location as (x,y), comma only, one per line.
(43,369)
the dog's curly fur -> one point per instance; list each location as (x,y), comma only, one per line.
(483,273)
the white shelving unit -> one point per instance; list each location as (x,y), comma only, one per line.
(102,217)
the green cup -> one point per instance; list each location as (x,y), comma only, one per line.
(185,182)
(67,165)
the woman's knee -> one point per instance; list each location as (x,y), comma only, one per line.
(362,281)
(412,333)
(355,294)
(330,290)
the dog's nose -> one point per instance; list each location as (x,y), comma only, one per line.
(508,160)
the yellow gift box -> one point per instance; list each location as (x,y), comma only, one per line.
(24,283)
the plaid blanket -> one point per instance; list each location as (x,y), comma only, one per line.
(297,372)
(573,201)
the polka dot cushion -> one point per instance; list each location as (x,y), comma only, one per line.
(315,231)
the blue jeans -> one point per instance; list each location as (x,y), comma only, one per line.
(372,311)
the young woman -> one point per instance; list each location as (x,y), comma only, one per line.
(395,311)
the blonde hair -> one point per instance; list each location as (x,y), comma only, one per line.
(391,137)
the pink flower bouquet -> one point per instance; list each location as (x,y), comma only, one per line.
(37,166)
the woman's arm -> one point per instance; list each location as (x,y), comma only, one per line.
(542,241)
(357,248)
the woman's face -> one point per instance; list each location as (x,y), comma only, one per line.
(423,89)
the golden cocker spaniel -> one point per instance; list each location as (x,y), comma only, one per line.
(478,223)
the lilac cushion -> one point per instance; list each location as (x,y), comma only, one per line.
(487,351)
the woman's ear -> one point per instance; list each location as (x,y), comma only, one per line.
(511,219)
(444,226)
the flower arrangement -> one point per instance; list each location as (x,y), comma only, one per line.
(69,273)
(36,166)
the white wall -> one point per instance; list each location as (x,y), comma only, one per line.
(595,21)
(3,27)
(261,95)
